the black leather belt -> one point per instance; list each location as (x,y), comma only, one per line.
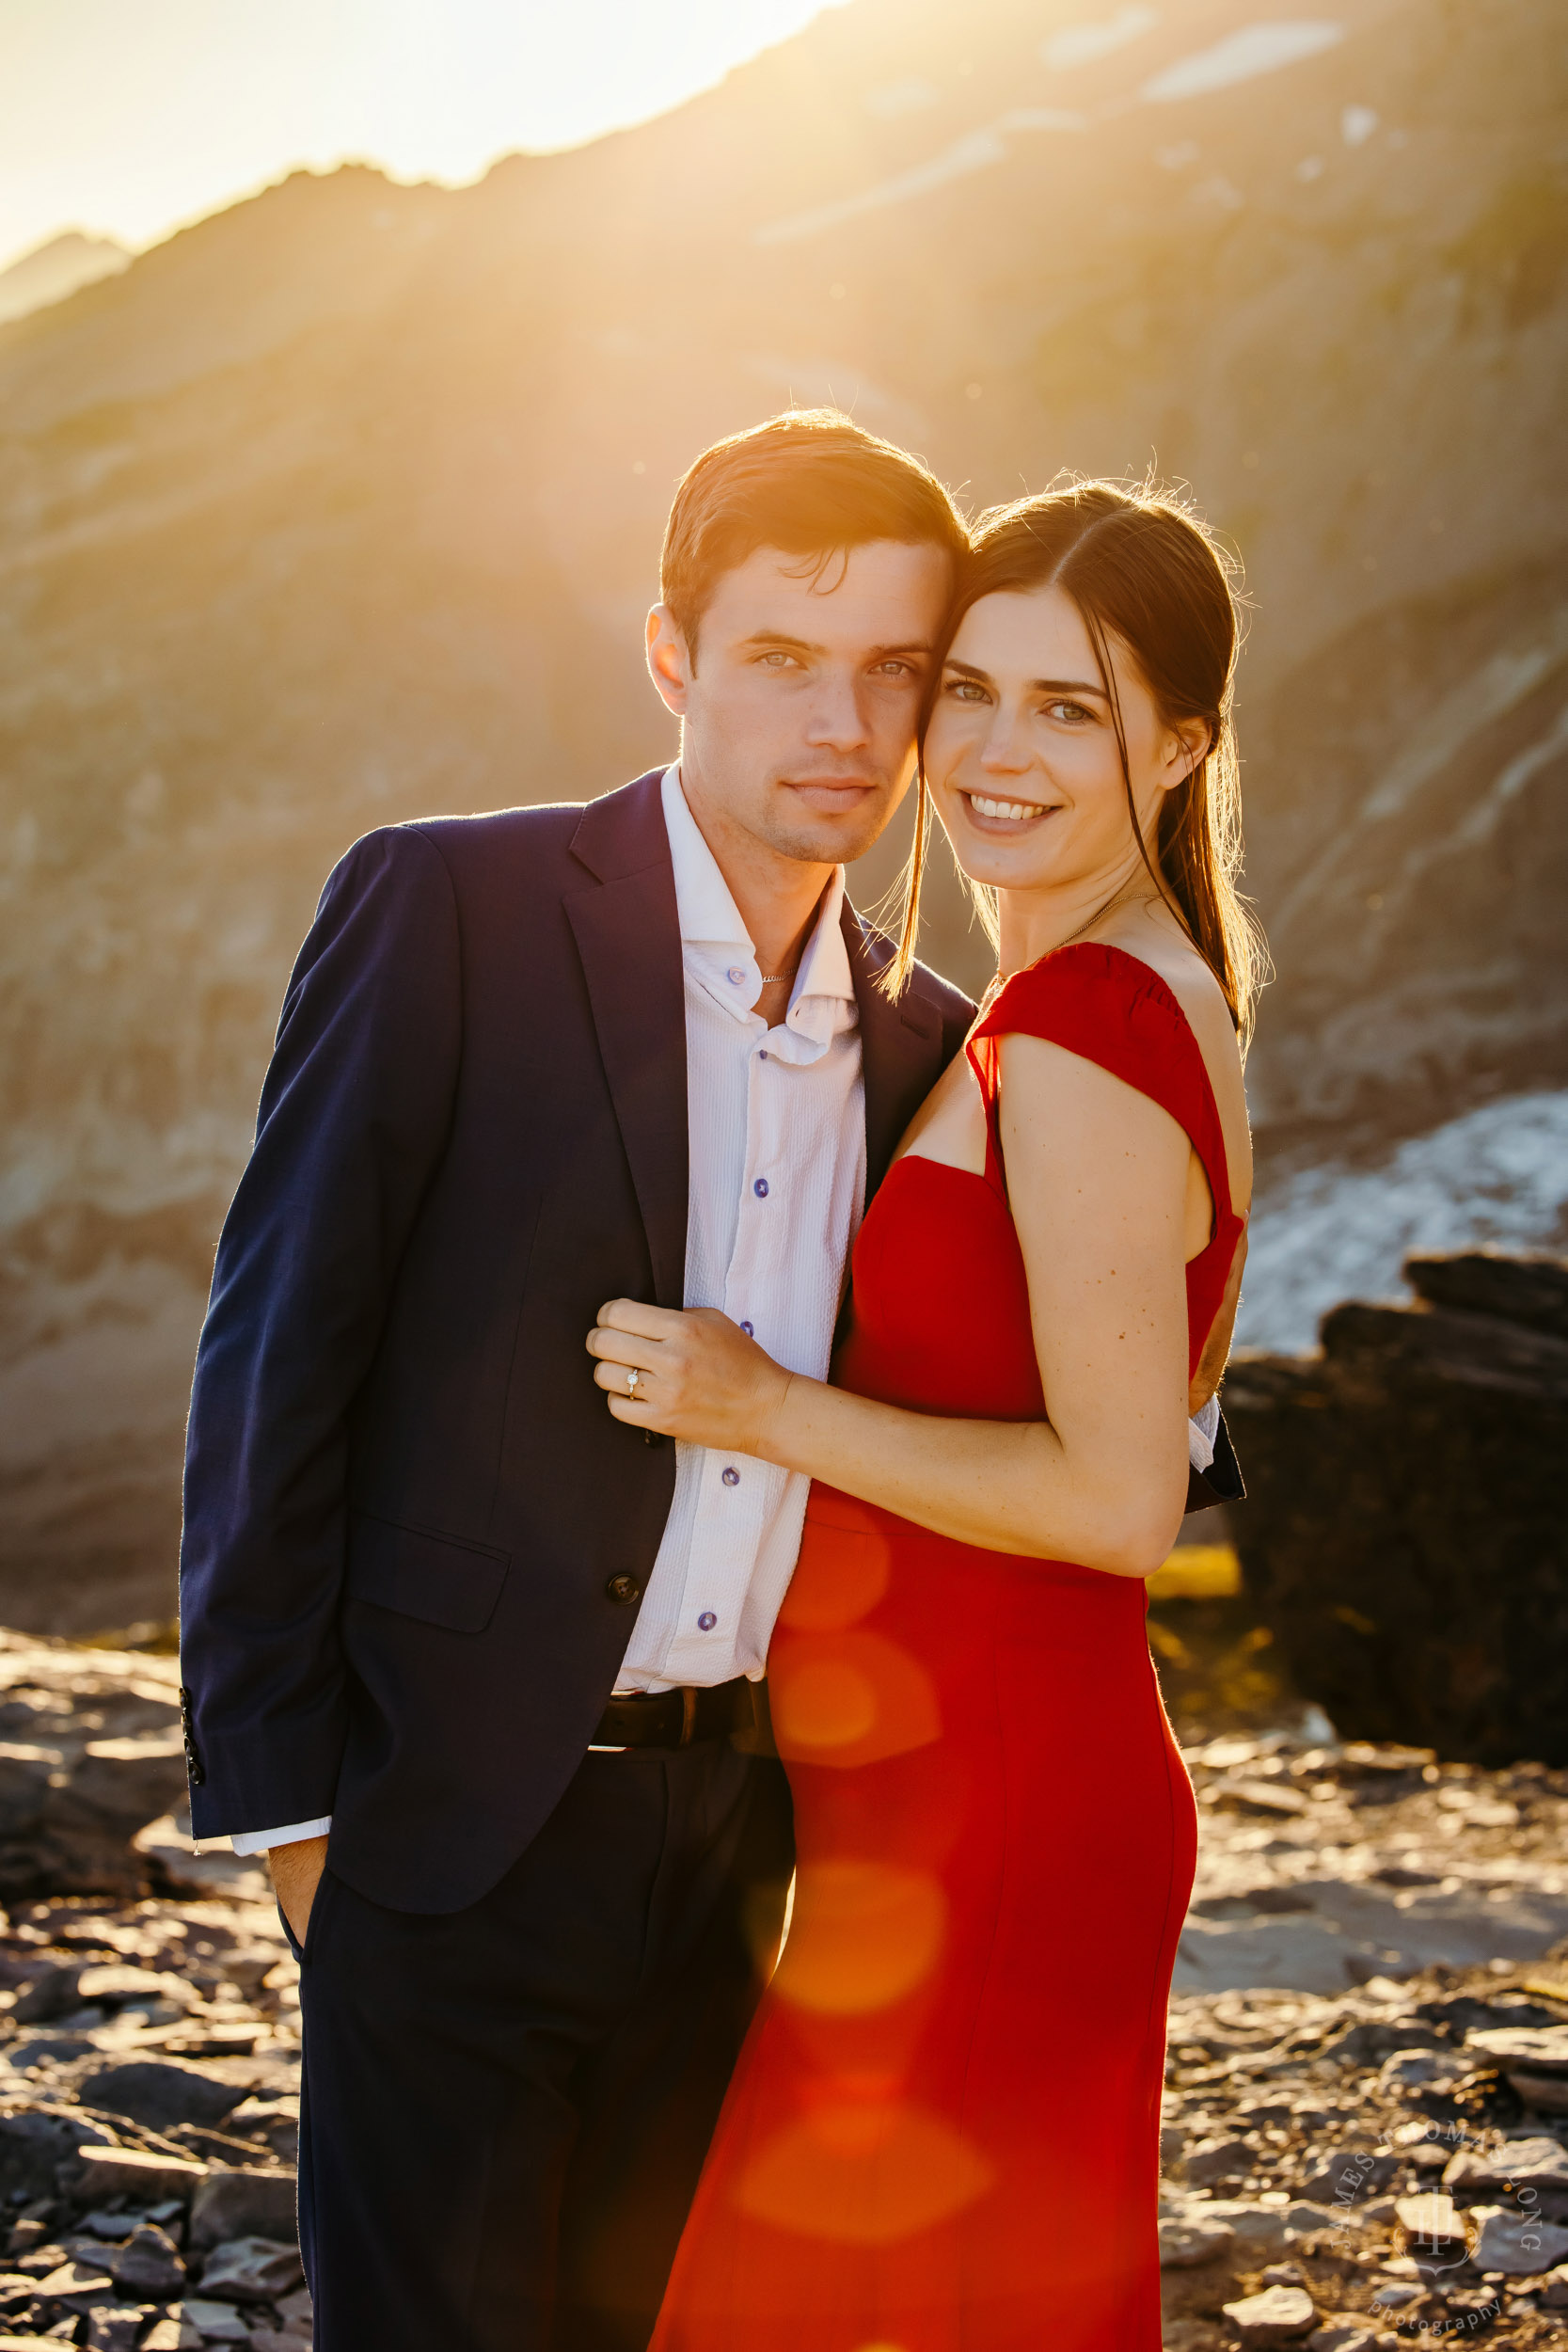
(675,1719)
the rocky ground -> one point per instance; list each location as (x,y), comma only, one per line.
(1365,2137)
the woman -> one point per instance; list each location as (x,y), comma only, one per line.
(944,2132)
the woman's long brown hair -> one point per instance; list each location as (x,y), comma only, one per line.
(1146,572)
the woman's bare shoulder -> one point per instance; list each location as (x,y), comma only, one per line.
(1158,941)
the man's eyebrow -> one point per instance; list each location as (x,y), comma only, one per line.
(780,640)
(1036,685)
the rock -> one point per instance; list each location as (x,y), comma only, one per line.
(50,1996)
(229,2205)
(1535,2060)
(1418,1453)
(1193,2237)
(128,2172)
(153,2092)
(74,2278)
(112,1986)
(1547,2094)
(112,2330)
(1278,2315)
(1218,2160)
(214,2323)
(32,2148)
(1554,2290)
(1519,2245)
(1430,2220)
(1417,2066)
(252,2270)
(277,2122)
(1346,2334)
(171,2334)
(1537,2163)
(166,1846)
(148,2263)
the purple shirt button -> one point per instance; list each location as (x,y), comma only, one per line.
(731,1477)
(750,1330)
(760,1188)
(736,975)
(706,1621)
(762,1056)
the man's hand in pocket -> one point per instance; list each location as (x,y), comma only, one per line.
(296,1872)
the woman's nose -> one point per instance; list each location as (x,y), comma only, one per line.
(1004,751)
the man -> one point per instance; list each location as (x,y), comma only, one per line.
(528,1062)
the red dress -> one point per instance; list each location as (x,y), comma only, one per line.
(943,2135)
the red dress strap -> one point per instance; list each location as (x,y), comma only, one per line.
(1112,1008)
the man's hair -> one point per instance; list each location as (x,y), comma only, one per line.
(811,482)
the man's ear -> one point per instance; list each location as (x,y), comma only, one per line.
(670,665)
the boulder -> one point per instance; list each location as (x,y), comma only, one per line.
(107,2172)
(1534,2163)
(252,2270)
(1516,2242)
(1192,2237)
(1278,2315)
(152,2091)
(148,2263)
(1404,1536)
(230,2203)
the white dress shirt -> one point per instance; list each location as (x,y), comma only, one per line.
(776,1122)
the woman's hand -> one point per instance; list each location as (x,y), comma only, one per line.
(699,1376)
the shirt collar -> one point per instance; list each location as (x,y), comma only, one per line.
(710,918)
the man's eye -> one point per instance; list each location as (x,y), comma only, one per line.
(778,662)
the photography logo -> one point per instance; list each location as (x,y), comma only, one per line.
(1438,2238)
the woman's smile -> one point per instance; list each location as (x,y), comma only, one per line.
(991,813)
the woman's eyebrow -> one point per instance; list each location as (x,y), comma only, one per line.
(1036,685)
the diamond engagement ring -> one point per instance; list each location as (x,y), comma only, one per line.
(632,1379)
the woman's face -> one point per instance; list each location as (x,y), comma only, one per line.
(1021,752)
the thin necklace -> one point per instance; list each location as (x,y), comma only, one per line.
(1115,899)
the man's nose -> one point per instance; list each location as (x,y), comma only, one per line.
(838,722)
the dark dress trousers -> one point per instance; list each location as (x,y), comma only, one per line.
(415,1546)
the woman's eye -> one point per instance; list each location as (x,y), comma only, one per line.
(964,689)
(1073,714)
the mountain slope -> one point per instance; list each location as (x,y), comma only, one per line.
(346,505)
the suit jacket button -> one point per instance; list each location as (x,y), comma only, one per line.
(623,1588)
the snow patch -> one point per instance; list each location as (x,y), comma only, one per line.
(891,99)
(1240,56)
(973,154)
(1082,44)
(1497,1178)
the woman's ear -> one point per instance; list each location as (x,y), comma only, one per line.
(1187,746)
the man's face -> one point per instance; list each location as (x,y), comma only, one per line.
(797,718)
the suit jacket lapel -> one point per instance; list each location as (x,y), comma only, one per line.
(628,932)
(900,1048)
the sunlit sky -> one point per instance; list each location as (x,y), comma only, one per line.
(128,117)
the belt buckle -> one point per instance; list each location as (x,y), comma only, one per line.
(688,1716)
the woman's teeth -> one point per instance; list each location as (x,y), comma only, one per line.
(1014,810)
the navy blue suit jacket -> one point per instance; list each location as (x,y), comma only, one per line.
(415,1539)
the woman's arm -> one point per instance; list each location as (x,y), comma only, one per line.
(1098,1175)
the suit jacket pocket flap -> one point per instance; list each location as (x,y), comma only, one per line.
(434,1578)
